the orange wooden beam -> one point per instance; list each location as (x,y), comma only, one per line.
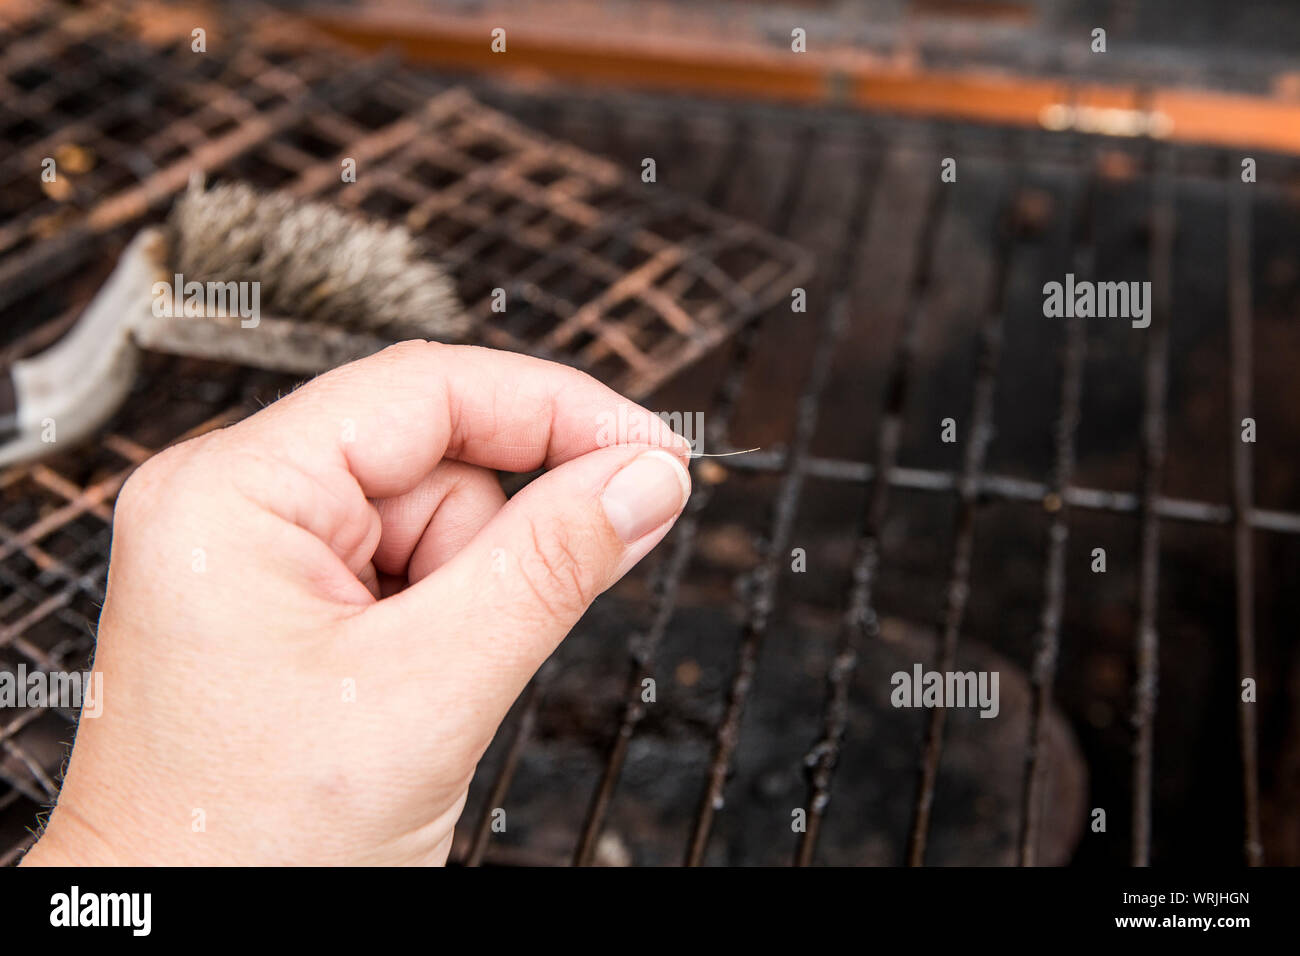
(839,77)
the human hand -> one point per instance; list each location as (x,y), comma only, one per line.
(317,618)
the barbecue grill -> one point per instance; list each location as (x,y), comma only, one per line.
(770,738)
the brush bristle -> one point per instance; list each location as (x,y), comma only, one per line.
(314,262)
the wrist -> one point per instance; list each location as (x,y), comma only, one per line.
(69,840)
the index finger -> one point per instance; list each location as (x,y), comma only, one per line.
(390,418)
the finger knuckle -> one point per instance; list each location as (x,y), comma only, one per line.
(168,480)
(145,485)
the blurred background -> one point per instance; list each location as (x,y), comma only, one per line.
(796,145)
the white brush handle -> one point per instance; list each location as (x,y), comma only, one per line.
(73,387)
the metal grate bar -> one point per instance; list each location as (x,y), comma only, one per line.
(1010,488)
(860,623)
(1240,357)
(643,647)
(1147,639)
(764,581)
(989,355)
(1043,670)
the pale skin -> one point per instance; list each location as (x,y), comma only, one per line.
(351,535)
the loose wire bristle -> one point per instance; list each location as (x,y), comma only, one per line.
(722,454)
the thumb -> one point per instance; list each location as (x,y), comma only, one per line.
(508,598)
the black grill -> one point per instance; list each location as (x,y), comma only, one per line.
(924,303)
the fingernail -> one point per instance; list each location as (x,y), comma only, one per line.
(645,493)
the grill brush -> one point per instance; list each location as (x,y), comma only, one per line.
(335,287)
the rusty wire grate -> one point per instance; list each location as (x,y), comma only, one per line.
(125,120)
(600,271)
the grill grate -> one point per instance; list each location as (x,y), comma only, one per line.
(501,204)
(125,121)
(601,273)
(974,489)
(598,270)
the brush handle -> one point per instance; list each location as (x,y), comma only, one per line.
(63,394)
